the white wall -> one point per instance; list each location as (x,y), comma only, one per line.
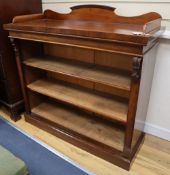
(124,7)
(158,117)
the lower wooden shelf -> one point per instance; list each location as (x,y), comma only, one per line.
(108,107)
(82,124)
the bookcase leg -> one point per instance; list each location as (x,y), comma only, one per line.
(16,109)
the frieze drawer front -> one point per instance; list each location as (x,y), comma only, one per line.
(86,76)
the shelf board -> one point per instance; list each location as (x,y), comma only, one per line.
(99,74)
(82,124)
(108,107)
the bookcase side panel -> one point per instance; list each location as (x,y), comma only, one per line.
(144,94)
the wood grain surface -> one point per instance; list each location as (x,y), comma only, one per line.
(81,123)
(83,98)
(86,71)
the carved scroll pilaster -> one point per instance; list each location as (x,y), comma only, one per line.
(15,48)
(20,71)
(132,107)
(137,66)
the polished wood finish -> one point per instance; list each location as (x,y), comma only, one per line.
(110,24)
(92,65)
(133,100)
(10,90)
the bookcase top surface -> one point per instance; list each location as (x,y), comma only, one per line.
(91,21)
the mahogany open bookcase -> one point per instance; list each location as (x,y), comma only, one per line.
(86,76)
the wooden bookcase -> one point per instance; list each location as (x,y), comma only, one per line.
(86,76)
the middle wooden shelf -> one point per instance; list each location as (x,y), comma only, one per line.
(108,106)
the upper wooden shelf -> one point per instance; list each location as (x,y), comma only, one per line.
(91,21)
(108,76)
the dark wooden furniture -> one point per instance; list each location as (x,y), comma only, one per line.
(86,76)
(10,91)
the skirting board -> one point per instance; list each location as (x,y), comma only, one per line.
(153,130)
(165,35)
(130,1)
(157,131)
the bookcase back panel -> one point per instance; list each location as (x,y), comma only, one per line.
(69,52)
(114,60)
(32,75)
(29,49)
(35,99)
(72,80)
(118,61)
(90,85)
(111,90)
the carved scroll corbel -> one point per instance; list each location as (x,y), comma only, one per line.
(137,67)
